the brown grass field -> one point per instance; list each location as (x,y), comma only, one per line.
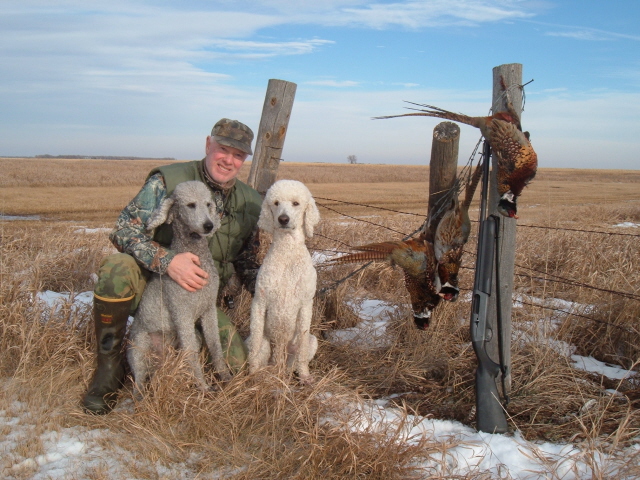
(48,364)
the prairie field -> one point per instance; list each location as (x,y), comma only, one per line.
(576,288)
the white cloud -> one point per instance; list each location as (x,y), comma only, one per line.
(435,13)
(150,78)
(270,48)
(590,35)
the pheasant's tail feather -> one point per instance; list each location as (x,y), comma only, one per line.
(359,257)
(446,114)
(383,117)
(382,247)
(434,112)
(470,190)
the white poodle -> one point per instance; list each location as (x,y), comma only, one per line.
(283,303)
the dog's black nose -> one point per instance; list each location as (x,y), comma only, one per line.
(208,226)
(283,219)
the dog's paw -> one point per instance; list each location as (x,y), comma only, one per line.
(225,377)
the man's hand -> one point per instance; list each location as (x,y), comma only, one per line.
(185,270)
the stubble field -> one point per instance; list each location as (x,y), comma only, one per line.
(577,284)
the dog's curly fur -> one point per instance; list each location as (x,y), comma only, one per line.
(167,313)
(286,285)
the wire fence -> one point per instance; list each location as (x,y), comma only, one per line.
(475,221)
(537,275)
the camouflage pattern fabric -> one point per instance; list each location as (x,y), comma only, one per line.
(119,276)
(233,134)
(233,348)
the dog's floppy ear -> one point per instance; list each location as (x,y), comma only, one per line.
(216,217)
(162,214)
(265,222)
(311,217)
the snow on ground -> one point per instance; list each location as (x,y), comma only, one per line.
(627,225)
(89,231)
(9,218)
(77,452)
(371,331)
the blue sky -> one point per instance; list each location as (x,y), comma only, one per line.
(150,78)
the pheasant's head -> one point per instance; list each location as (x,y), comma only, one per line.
(424,299)
(507,205)
(422,321)
(449,292)
(448,275)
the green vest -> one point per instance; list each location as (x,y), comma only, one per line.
(242,207)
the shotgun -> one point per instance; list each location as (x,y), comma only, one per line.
(490,415)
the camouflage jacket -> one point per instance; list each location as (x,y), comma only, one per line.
(233,247)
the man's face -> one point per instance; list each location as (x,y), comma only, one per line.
(223,163)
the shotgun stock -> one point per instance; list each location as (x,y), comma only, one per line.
(490,416)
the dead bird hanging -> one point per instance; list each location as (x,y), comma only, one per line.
(430,268)
(417,259)
(451,235)
(517,161)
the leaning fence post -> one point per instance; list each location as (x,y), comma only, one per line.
(442,171)
(274,122)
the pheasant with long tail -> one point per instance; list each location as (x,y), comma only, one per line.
(417,259)
(517,161)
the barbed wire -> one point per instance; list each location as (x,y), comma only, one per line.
(555,278)
(563,280)
(576,283)
(358,219)
(474,221)
(604,322)
(581,230)
(566,312)
(368,206)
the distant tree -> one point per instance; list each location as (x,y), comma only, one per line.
(352,159)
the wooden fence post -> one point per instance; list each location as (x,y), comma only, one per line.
(274,122)
(512,75)
(443,168)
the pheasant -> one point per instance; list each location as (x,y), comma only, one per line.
(417,260)
(517,165)
(450,237)
(517,161)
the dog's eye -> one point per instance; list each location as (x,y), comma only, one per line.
(295,204)
(208,204)
(276,203)
(191,205)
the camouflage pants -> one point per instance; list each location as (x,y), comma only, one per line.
(120,276)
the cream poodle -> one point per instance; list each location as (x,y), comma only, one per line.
(283,303)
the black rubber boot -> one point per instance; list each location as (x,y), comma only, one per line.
(110,319)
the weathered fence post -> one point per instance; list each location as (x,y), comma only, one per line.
(274,122)
(511,74)
(442,171)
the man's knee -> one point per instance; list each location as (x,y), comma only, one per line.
(119,276)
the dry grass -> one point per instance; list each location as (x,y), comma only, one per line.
(267,426)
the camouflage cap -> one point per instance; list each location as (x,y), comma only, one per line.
(233,133)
